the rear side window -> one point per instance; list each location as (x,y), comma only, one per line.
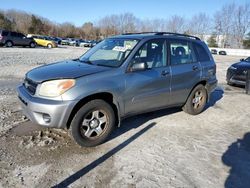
(201,53)
(4,33)
(181,52)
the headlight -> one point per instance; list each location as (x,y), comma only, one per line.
(55,88)
(232,67)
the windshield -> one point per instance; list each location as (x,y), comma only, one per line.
(109,52)
(247,59)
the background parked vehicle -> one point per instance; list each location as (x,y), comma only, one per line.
(65,41)
(72,42)
(214,51)
(43,41)
(9,39)
(90,44)
(237,72)
(222,52)
(57,40)
(82,42)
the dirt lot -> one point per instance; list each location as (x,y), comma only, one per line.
(162,149)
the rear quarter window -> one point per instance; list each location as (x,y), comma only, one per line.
(201,52)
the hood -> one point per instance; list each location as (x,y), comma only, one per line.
(242,65)
(63,70)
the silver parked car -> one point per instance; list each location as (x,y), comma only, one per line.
(119,77)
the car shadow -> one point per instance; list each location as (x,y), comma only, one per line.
(126,125)
(237,157)
(80,173)
(215,96)
(134,122)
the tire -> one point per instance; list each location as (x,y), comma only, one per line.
(93,123)
(32,45)
(196,101)
(9,44)
(49,46)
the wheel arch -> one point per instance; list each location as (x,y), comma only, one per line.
(202,82)
(9,41)
(107,97)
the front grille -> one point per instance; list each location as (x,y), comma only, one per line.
(240,77)
(30,86)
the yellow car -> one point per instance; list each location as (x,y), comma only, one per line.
(43,41)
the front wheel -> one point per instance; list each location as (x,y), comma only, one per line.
(93,123)
(49,46)
(196,101)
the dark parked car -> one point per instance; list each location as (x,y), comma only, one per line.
(237,73)
(214,51)
(121,76)
(57,40)
(9,39)
(222,52)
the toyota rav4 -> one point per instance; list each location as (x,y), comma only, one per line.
(121,76)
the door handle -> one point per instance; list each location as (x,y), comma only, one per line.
(165,73)
(195,67)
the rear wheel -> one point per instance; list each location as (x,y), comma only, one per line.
(196,100)
(49,45)
(93,123)
(9,44)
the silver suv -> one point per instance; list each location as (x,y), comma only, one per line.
(119,77)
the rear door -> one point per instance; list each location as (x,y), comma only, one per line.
(22,40)
(14,38)
(185,69)
(148,89)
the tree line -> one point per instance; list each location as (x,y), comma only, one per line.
(232,22)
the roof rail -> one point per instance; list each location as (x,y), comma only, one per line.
(139,33)
(177,34)
(164,33)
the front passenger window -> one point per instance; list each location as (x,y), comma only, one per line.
(153,53)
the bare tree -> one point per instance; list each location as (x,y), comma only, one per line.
(223,22)
(200,25)
(21,20)
(176,24)
(241,23)
(108,25)
(126,23)
(68,30)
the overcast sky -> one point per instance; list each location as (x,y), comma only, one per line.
(80,11)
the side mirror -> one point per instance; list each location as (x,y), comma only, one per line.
(242,59)
(139,66)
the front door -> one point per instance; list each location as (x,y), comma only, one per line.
(150,88)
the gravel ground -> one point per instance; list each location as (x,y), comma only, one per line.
(167,148)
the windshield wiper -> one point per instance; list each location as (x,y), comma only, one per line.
(83,61)
(103,65)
